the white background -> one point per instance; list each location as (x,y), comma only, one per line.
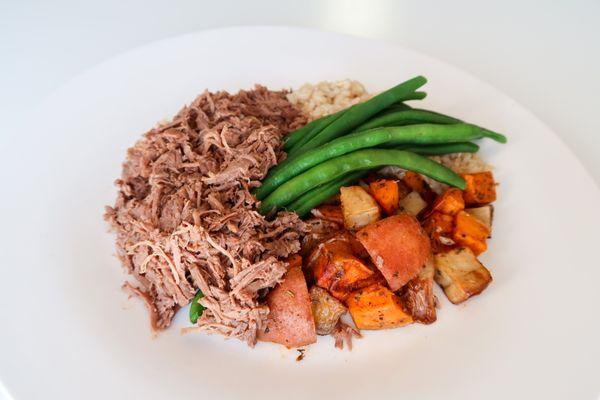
(546,55)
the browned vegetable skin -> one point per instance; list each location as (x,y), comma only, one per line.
(290,321)
(460,274)
(334,267)
(417,296)
(398,247)
(329,212)
(377,307)
(326,310)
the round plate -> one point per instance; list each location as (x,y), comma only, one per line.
(69,332)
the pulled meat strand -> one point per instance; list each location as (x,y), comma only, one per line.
(185,218)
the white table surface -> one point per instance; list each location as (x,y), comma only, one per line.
(546,56)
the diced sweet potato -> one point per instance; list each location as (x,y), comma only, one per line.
(470,232)
(290,320)
(326,310)
(440,228)
(416,183)
(377,307)
(485,214)
(398,247)
(481,188)
(385,192)
(460,274)
(417,296)
(329,212)
(359,207)
(412,204)
(337,269)
(450,202)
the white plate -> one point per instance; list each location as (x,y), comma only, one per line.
(69,332)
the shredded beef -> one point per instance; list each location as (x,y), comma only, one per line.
(185,218)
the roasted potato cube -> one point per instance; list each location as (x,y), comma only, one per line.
(450,202)
(326,310)
(337,269)
(418,298)
(290,320)
(329,212)
(416,182)
(460,274)
(377,307)
(385,192)
(398,247)
(470,232)
(481,188)
(359,207)
(412,204)
(485,214)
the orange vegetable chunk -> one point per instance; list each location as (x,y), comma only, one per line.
(377,307)
(337,269)
(470,232)
(398,247)
(385,192)
(481,188)
(329,212)
(290,320)
(417,183)
(450,202)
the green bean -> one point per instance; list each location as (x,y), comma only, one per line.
(439,149)
(196,309)
(406,117)
(422,134)
(361,112)
(358,160)
(304,134)
(309,200)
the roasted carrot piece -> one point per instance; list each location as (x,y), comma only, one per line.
(329,212)
(385,192)
(470,232)
(481,188)
(377,307)
(415,182)
(450,202)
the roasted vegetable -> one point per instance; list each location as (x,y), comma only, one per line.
(398,247)
(334,267)
(385,192)
(412,204)
(460,274)
(440,228)
(450,202)
(481,188)
(326,310)
(415,182)
(377,307)
(470,232)
(485,214)
(329,212)
(359,207)
(417,296)
(290,321)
